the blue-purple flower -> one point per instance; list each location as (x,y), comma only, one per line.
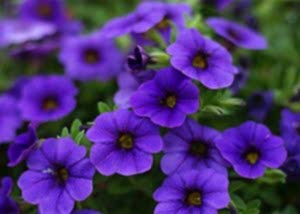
(124,143)
(86,211)
(7,204)
(58,175)
(192,191)
(91,57)
(259,105)
(166,99)
(290,124)
(17,32)
(251,148)
(10,118)
(47,98)
(202,59)
(23,145)
(191,146)
(237,34)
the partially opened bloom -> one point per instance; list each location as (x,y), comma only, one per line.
(47,98)
(290,124)
(166,99)
(237,34)
(7,204)
(124,143)
(10,118)
(251,148)
(23,145)
(192,191)
(191,146)
(240,80)
(259,105)
(58,175)
(17,32)
(91,57)
(202,59)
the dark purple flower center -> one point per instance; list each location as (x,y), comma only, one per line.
(169,101)
(45,10)
(193,198)
(62,175)
(234,34)
(199,149)
(163,24)
(91,56)
(125,141)
(49,104)
(252,156)
(200,61)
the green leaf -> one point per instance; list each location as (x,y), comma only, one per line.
(65,132)
(273,176)
(236,185)
(103,107)
(238,202)
(75,127)
(79,137)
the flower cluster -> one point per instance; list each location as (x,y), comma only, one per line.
(158,91)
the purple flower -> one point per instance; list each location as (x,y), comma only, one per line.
(47,98)
(259,104)
(23,145)
(10,119)
(220,4)
(166,99)
(58,175)
(174,14)
(240,80)
(191,146)
(138,61)
(124,143)
(202,59)
(192,192)
(90,57)
(17,87)
(16,32)
(45,10)
(292,163)
(7,205)
(237,34)
(290,124)
(250,148)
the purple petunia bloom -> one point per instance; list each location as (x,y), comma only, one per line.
(192,192)
(23,145)
(237,34)
(124,143)
(202,59)
(47,98)
(191,146)
(10,118)
(174,14)
(290,124)
(7,205)
(166,99)
(90,57)
(259,105)
(58,175)
(16,32)
(250,148)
